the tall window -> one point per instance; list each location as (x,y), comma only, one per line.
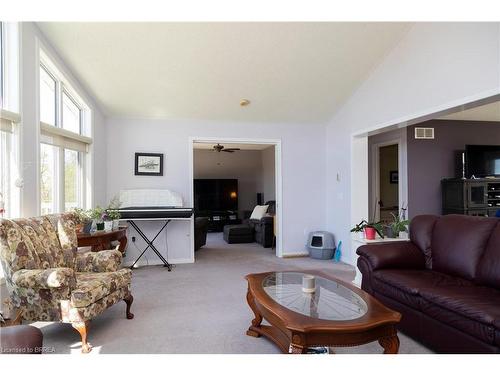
(64,144)
(9,120)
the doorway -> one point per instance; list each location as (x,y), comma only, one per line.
(218,171)
(388,182)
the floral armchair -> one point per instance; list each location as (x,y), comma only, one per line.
(50,281)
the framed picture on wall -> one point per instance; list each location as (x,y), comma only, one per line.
(147,164)
(394,177)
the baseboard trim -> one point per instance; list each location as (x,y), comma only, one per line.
(296,255)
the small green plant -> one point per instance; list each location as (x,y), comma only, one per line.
(82,215)
(399,223)
(112,210)
(97,213)
(113,214)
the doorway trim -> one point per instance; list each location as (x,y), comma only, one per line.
(402,172)
(277,178)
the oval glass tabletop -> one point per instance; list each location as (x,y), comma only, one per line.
(329,301)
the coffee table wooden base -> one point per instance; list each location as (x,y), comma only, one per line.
(298,342)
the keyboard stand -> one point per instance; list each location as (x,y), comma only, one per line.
(150,244)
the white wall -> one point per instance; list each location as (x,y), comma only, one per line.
(303,170)
(268,180)
(30,34)
(245,166)
(435,66)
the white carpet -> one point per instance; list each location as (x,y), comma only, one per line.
(196,308)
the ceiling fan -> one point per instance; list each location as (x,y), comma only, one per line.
(218,147)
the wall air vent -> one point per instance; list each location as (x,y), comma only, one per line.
(424,133)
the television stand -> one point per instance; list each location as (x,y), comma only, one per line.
(473,197)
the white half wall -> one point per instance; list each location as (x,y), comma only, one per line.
(303,171)
(434,67)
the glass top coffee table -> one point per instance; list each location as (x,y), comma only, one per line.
(310,309)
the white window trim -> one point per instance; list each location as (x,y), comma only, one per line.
(65,139)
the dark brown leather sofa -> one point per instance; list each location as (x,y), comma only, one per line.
(445,282)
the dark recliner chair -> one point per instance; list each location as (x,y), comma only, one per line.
(200,232)
(264,228)
(445,282)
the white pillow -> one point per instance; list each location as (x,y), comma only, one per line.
(259,212)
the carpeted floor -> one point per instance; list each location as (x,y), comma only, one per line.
(196,308)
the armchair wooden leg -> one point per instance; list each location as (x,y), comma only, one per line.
(82,329)
(128,300)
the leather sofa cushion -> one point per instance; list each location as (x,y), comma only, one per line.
(405,285)
(421,235)
(458,243)
(489,266)
(475,310)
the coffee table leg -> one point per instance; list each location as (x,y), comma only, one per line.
(297,349)
(256,322)
(390,344)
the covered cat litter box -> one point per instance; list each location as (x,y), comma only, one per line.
(321,245)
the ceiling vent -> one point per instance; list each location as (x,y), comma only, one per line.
(424,133)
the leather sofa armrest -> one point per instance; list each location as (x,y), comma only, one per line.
(45,278)
(392,255)
(101,261)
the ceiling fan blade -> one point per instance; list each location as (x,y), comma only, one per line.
(232,149)
(228,150)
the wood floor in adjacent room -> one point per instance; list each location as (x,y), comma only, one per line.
(196,308)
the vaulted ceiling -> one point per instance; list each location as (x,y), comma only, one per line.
(290,72)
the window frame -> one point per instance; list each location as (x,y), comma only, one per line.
(10,91)
(84,182)
(2,64)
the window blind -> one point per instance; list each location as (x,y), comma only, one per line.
(7,120)
(58,137)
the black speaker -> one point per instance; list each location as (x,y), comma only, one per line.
(260,199)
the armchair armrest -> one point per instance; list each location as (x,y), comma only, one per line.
(101,261)
(45,279)
(392,255)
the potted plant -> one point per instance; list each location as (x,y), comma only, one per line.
(108,222)
(84,220)
(400,224)
(96,215)
(369,229)
(113,212)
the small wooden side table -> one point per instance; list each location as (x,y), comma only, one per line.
(101,240)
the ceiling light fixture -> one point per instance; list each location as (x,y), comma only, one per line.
(244,102)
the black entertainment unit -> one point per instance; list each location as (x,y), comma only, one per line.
(476,189)
(474,197)
(216,199)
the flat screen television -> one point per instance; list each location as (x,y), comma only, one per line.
(215,195)
(482,161)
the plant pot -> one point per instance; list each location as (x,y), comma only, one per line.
(403,235)
(87,227)
(390,232)
(116,224)
(370,233)
(361,235)
(100,226)
(108,226)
